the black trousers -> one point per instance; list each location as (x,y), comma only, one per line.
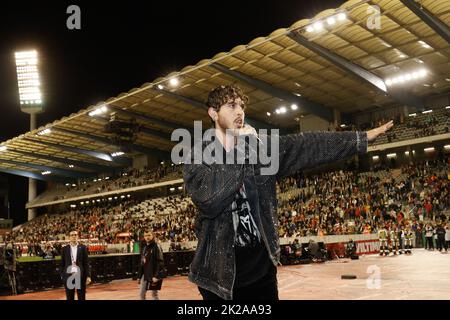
(264,289)
(81,294)
(429,243)
(441,244)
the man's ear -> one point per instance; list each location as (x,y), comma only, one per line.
(212,113)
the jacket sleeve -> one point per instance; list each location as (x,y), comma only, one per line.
(63,263)
(310,149)
(213,187)
(159,261)
(86,266)
(140,265)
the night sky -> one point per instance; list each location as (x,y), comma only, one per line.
(120,46)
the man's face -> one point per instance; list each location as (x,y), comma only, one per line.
(73,236)
(231,115)
(148,236)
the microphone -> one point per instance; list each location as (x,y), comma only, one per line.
(256,135)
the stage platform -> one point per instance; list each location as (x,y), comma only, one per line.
(424,275)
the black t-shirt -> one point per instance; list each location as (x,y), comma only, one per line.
(252,258)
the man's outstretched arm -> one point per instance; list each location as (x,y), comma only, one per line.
(311,149)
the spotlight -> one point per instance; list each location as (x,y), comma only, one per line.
(342,16)
(318,26)
(174,82)
(44,132)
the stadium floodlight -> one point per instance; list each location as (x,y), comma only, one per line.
(117,154)
(277,111)
(160,86)
(98,111)
(375,158)
(174,82)
(342,16)
(391,155)
(28,77)
(405,77)
(331,21)
(447,107)
(342,125)
(283,109)
(406,153)
(73,205)
(172,189)
(71,165)
(309,29)
(180,188)
(413,114)
(44,132)
(3,148)
(318,26)
(44,173)
(268,114)
(294,107)
(427,111)
(447,147)
(428,149)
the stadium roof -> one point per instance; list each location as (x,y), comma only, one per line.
(330,62)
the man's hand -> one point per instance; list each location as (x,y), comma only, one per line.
(155,279)
(247,130)
(374,133)
(88,281)
(139,281)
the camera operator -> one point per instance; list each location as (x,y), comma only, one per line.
(9,262)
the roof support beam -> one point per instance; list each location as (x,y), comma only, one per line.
(200,105)
(80,164)
(399,95)
(32,175)
(309,106)
(155,121)
(57,171)
(95,154)
(134,147)
(426,16)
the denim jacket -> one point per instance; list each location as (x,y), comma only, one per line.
(213,187)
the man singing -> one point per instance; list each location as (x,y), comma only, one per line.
(238,246)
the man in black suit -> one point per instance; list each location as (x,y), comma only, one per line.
(75,268)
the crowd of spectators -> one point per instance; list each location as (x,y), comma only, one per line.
(330,203)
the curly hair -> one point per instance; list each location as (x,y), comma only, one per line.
(223,94)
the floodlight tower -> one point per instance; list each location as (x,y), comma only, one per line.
(30,96)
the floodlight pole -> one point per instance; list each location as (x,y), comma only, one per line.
(32,184)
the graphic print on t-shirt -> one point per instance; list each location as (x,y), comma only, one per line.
(247,233)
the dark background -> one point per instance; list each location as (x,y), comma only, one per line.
(120,46)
